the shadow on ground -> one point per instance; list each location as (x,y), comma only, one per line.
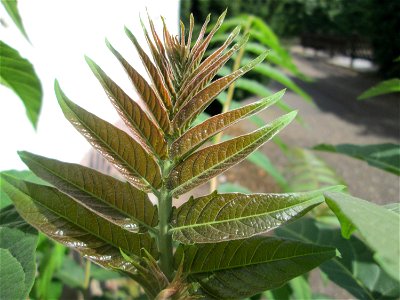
(335,90)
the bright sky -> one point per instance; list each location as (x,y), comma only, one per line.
(62,32)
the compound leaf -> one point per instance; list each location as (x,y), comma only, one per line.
(213,160)
(129,157)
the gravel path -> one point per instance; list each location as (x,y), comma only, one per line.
(339,118)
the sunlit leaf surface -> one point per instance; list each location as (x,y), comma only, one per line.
(219,217)
(63,219)
(213,160)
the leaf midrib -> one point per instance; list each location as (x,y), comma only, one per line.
(109,242)
(127,164)
(239,218)
(128,115)
(96,197)
(265,262)
(257,107)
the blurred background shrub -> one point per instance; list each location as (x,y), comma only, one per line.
(344,18)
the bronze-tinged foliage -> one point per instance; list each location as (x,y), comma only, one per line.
(114,224)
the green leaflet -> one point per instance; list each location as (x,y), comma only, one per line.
(129,157)
(196,136)
(154,104)
(51,256)
(17,255)
(213,160)
(26,175)
(382,156)
(152,71)
(220,217)
(307,171)
(377,225)
(355,270)
(239,269)
(131,113)
(11,7)
(18,74)
(280,77)
(201,100)
(65,220)
(117,201)
(276,59)
(382,88)
(12,277)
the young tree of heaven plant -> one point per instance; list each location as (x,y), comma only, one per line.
(210,246)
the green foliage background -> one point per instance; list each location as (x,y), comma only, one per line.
(375,20)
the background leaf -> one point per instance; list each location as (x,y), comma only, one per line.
(306,171)
(17,252)
(11,7)
(18,74)
(355,270)
(382,88)
(377,225)
(26,175)
(12,277)
(383,156)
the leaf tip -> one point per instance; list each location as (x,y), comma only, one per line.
(88,60)
(338,254)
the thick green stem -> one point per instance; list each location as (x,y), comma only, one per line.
(164,237)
